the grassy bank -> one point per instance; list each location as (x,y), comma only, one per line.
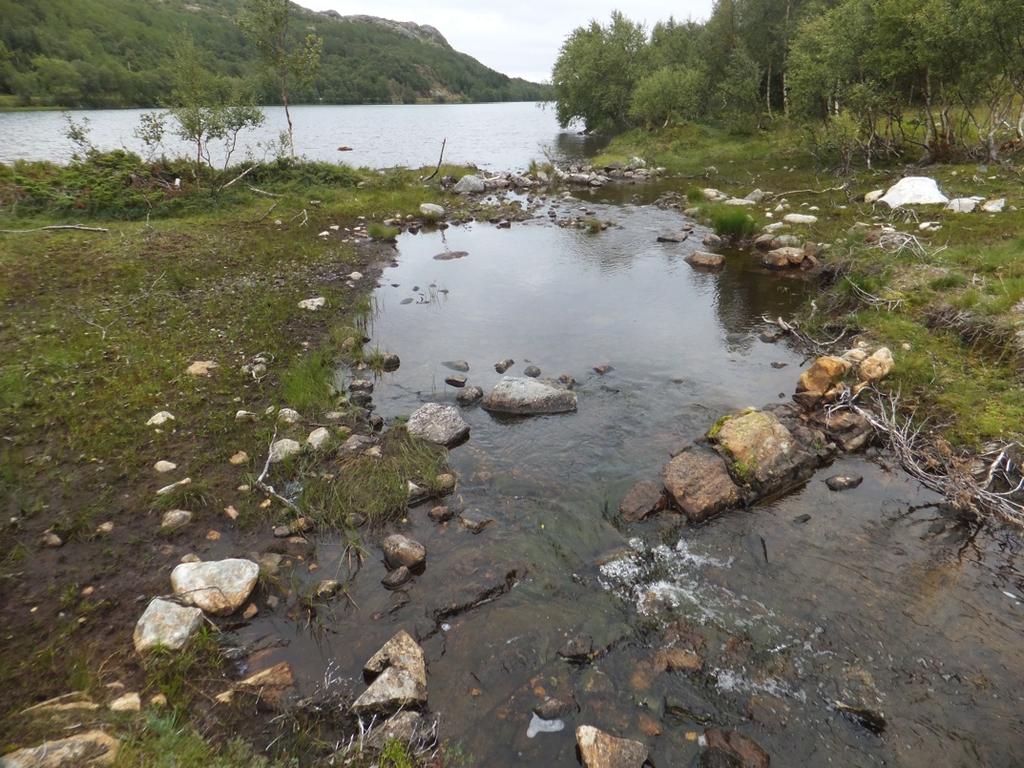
(99,329)
(948,310)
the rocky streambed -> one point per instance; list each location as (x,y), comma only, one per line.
(660,539)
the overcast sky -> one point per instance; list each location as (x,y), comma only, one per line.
(517,37)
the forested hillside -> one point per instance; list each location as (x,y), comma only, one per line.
(116,53)
(877,77)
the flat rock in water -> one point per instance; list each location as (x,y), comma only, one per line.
(914,190)
(436,423)
(83,750)
(456,380)
(745,749)
(450,256)
(599,750)
(401,550)
(528,397)
(705,260)
(844,482)
(219,587)
(166,625)
(456,365)
(643,499)
(397,577)
(699,483)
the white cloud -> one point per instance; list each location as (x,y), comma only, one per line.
(518,38)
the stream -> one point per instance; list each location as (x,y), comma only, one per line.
(871,598)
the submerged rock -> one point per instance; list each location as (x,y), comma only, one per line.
(469,396)
(436,423)
(743,748)
(166,625)
(643,499)
(599,750)
(699,484)
(503,365)
(843,482)
(456,365)
(522,396)
(219,587)
(532,371)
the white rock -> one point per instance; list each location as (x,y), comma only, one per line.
(994,206)
(355,276)
(313,304)
(526,396)
(165,466)
(318,438)
(431,210)
(775,226)
(441,424)
(875,196)
(219,586)
(201,368)
(469,184)
(799,218)
(167,625)
(288,416)
(160,418)
(175,518)
(962,205)
(129,702)
(914,190)
(756,196)
(83,750)
(245,416)
(739,201)
(283,449)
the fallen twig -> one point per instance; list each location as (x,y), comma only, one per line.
(240,176)
(53,227)
(792,328)
(269,489)
(263,192)
(777,195)
(267,213)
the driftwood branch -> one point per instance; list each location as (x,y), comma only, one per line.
(428,178)
(777,195)
(54,227)
(263,192)
(267,212)
(240,176)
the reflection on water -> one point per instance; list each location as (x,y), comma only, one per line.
(865,598)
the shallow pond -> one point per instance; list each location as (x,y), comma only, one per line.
(871,597)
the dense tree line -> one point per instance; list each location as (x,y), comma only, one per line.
(117,53)
(874,77)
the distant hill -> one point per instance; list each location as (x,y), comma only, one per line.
(117,53)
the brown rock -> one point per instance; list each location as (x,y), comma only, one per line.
(599,750)
(699,483)
(680,660)
(784,258)
(643,499)
(823,375)
(762,453)
(83,750)
(705,260)
(748,751)
(877,366)
(401,550)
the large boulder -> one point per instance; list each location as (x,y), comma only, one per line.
(469,184)
(762,453)
(526,397)
(219,587)
(436,423)
(401,680)
(699,483)
(914,190)
(166,625)
(599,750)
(83,750)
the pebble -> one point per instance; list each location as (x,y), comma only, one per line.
(239,458)
(165,466)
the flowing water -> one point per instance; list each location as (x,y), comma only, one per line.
(495,136)
(870,598)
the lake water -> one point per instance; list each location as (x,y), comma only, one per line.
(495,136)
(873,597)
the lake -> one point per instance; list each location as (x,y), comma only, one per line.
(495,136)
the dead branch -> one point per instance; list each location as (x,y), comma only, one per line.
(890,305)
(54,227)
(428,178)
(792,328)
(263,192)
(240,176)
(777,195)
(266,213)
(269,489)
(932,463)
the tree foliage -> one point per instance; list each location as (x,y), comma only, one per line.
(872,78)
(119,53)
